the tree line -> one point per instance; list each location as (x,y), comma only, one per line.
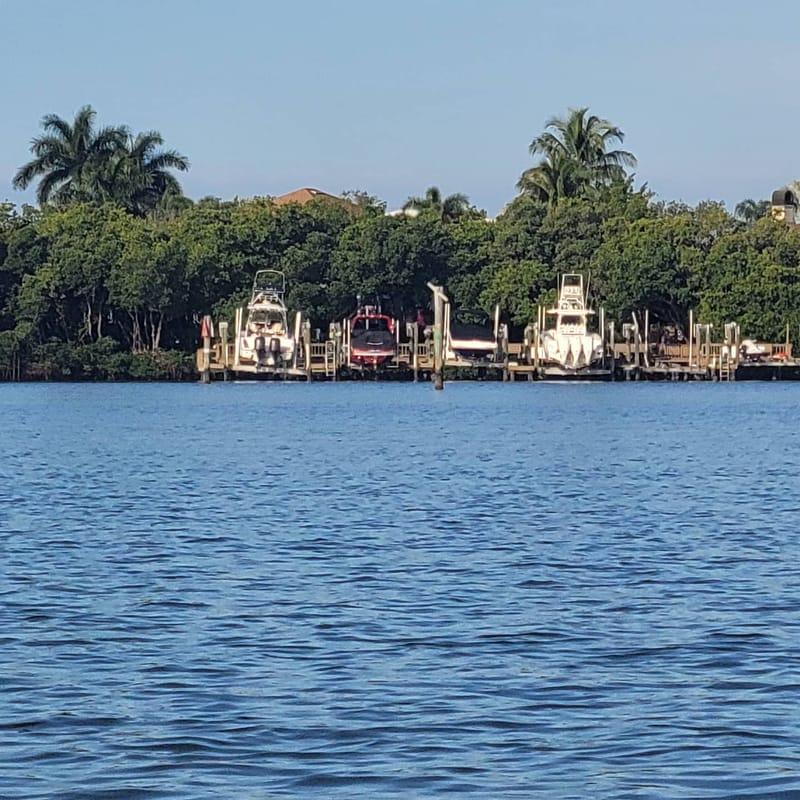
(100,282)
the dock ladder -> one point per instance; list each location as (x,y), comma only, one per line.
(330,358)
(729,352)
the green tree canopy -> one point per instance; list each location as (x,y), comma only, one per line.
(69,158)
(750,210)
(448,209)
(74,162)
(575,157)
(137,174)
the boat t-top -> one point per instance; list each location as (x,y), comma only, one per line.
(266,338)
(569,344)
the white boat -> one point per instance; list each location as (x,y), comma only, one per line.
(570,345)
(751,350)
(266,339)
(469,341)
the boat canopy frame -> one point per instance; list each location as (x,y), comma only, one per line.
(270,284)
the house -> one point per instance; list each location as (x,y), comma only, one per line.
(784,206)
(306,195)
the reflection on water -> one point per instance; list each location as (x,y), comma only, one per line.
(502,591)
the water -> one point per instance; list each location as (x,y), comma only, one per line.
(499,591)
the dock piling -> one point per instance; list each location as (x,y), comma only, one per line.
(206,331)
(439,300)
(223,335)
(415,350)
(337,350)
(506,355)
(307,348)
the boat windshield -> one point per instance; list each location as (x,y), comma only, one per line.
(570,323)
(371,324)
(267,319)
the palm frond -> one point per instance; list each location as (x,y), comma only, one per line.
(167,159)
(50,183)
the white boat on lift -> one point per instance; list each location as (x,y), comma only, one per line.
(266,340)
(569,345)
(468,340)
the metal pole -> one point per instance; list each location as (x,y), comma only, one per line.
(691,336)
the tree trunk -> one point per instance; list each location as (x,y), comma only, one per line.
(157,336)
(126,334)
(136,333)
(150,330)
(88,319)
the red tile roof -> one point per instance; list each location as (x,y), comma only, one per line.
(306,195)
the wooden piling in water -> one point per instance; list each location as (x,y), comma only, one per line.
(307,348)
(237,339)
(223,335)
(438,344)
(504,343)
(415,350)
(206,331)
(439,300)
(613,349)
(337,350)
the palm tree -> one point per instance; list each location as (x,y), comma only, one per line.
(137,175)
(750,210)
(575,157)
(68,158)
(448,209)
(552,178)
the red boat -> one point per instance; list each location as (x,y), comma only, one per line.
(372,338)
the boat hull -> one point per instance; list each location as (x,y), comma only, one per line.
(372,340)
(266,352)
(571,352)
(471,343)
(371,359)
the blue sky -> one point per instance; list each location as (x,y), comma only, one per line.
(392,97)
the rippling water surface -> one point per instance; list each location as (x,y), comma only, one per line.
(498,591)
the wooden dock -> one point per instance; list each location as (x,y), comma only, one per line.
(634,359)
(416,363)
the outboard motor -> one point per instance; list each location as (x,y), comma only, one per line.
(275,350)
(261,349)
